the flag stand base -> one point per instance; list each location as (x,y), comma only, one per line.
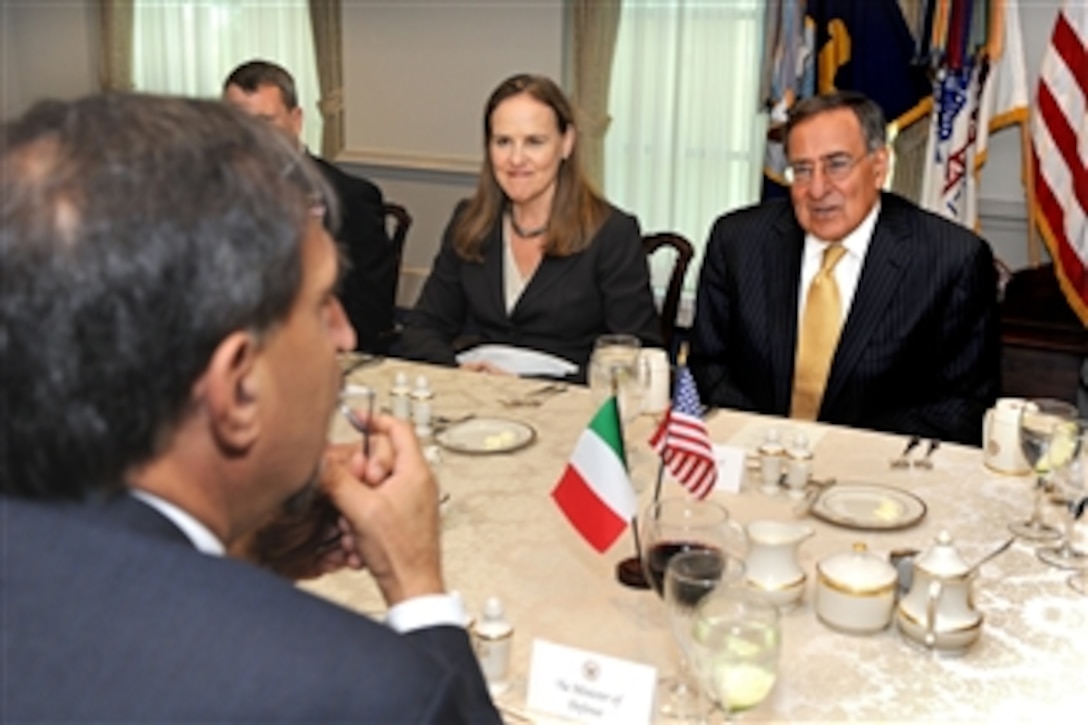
(629,573)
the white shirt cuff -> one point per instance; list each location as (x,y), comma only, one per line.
(432,610)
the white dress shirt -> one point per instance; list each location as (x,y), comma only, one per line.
(411,614)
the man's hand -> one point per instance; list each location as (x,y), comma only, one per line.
(308,543)
(390,503)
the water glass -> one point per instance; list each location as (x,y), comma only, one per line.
(690,577)
(1040,419)
(736,640)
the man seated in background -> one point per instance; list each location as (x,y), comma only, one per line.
(169,343)
(266,90)
(914,295)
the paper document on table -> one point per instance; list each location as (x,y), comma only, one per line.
(730,461)
(519,360)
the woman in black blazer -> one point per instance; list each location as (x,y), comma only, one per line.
(536,259)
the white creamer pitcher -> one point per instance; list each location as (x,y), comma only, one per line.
(655,377)
(1001,438)
(772,565)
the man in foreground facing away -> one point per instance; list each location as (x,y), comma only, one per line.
(168,341)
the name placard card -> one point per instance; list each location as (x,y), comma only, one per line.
(731,461)
(589,687)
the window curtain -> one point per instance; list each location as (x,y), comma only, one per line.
(189,48)
(327,30)
(115,45)
(595,26)
(687,136)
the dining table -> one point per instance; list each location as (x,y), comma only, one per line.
(504,536)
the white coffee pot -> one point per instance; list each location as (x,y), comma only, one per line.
(939,612)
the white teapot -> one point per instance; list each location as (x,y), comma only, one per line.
(939,612)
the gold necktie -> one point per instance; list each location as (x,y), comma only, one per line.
(817,338)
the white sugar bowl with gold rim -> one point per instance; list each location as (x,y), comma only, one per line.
(855,591)
(939,612)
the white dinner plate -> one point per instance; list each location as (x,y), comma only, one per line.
(486,435)
(869,507)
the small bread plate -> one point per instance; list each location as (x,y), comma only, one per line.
(486,435)
(869,507)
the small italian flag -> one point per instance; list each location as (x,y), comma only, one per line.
(595,491)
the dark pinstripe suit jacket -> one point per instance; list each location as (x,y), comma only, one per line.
(369,285)
(110,615)
(919,351)
(568,302)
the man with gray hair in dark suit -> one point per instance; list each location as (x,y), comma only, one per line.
(847,304)
(168,339)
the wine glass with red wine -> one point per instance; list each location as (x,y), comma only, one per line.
(667,528)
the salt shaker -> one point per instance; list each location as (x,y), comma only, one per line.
(492,636)
(399,396)
(798,466)
(770,460)
(421,407)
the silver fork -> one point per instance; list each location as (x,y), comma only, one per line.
(925,461)
(904,460)
(534,397)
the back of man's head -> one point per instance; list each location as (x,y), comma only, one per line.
(251,75)
(136,233)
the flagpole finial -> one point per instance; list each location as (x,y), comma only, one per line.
(682,355)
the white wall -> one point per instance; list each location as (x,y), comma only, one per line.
(417,73)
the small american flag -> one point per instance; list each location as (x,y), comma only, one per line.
(683,442)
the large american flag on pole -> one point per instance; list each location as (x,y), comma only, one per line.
(682,439)
(1060,149)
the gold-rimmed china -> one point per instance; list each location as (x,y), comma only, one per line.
(868,507)
(482,435)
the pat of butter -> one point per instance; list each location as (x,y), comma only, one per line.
(499,440)
(888,510)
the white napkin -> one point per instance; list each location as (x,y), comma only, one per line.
(519,360)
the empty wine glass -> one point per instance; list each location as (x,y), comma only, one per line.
(736,639)
(1039,419)
(669,527)
(689,577)
(1069,487)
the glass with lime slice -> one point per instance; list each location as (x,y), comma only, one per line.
(736,644)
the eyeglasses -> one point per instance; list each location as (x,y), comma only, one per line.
(835,167)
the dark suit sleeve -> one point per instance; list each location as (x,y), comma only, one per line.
(710,337)
(624,279)
(967,360)
(369,285)
(468,699)
(441,312)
